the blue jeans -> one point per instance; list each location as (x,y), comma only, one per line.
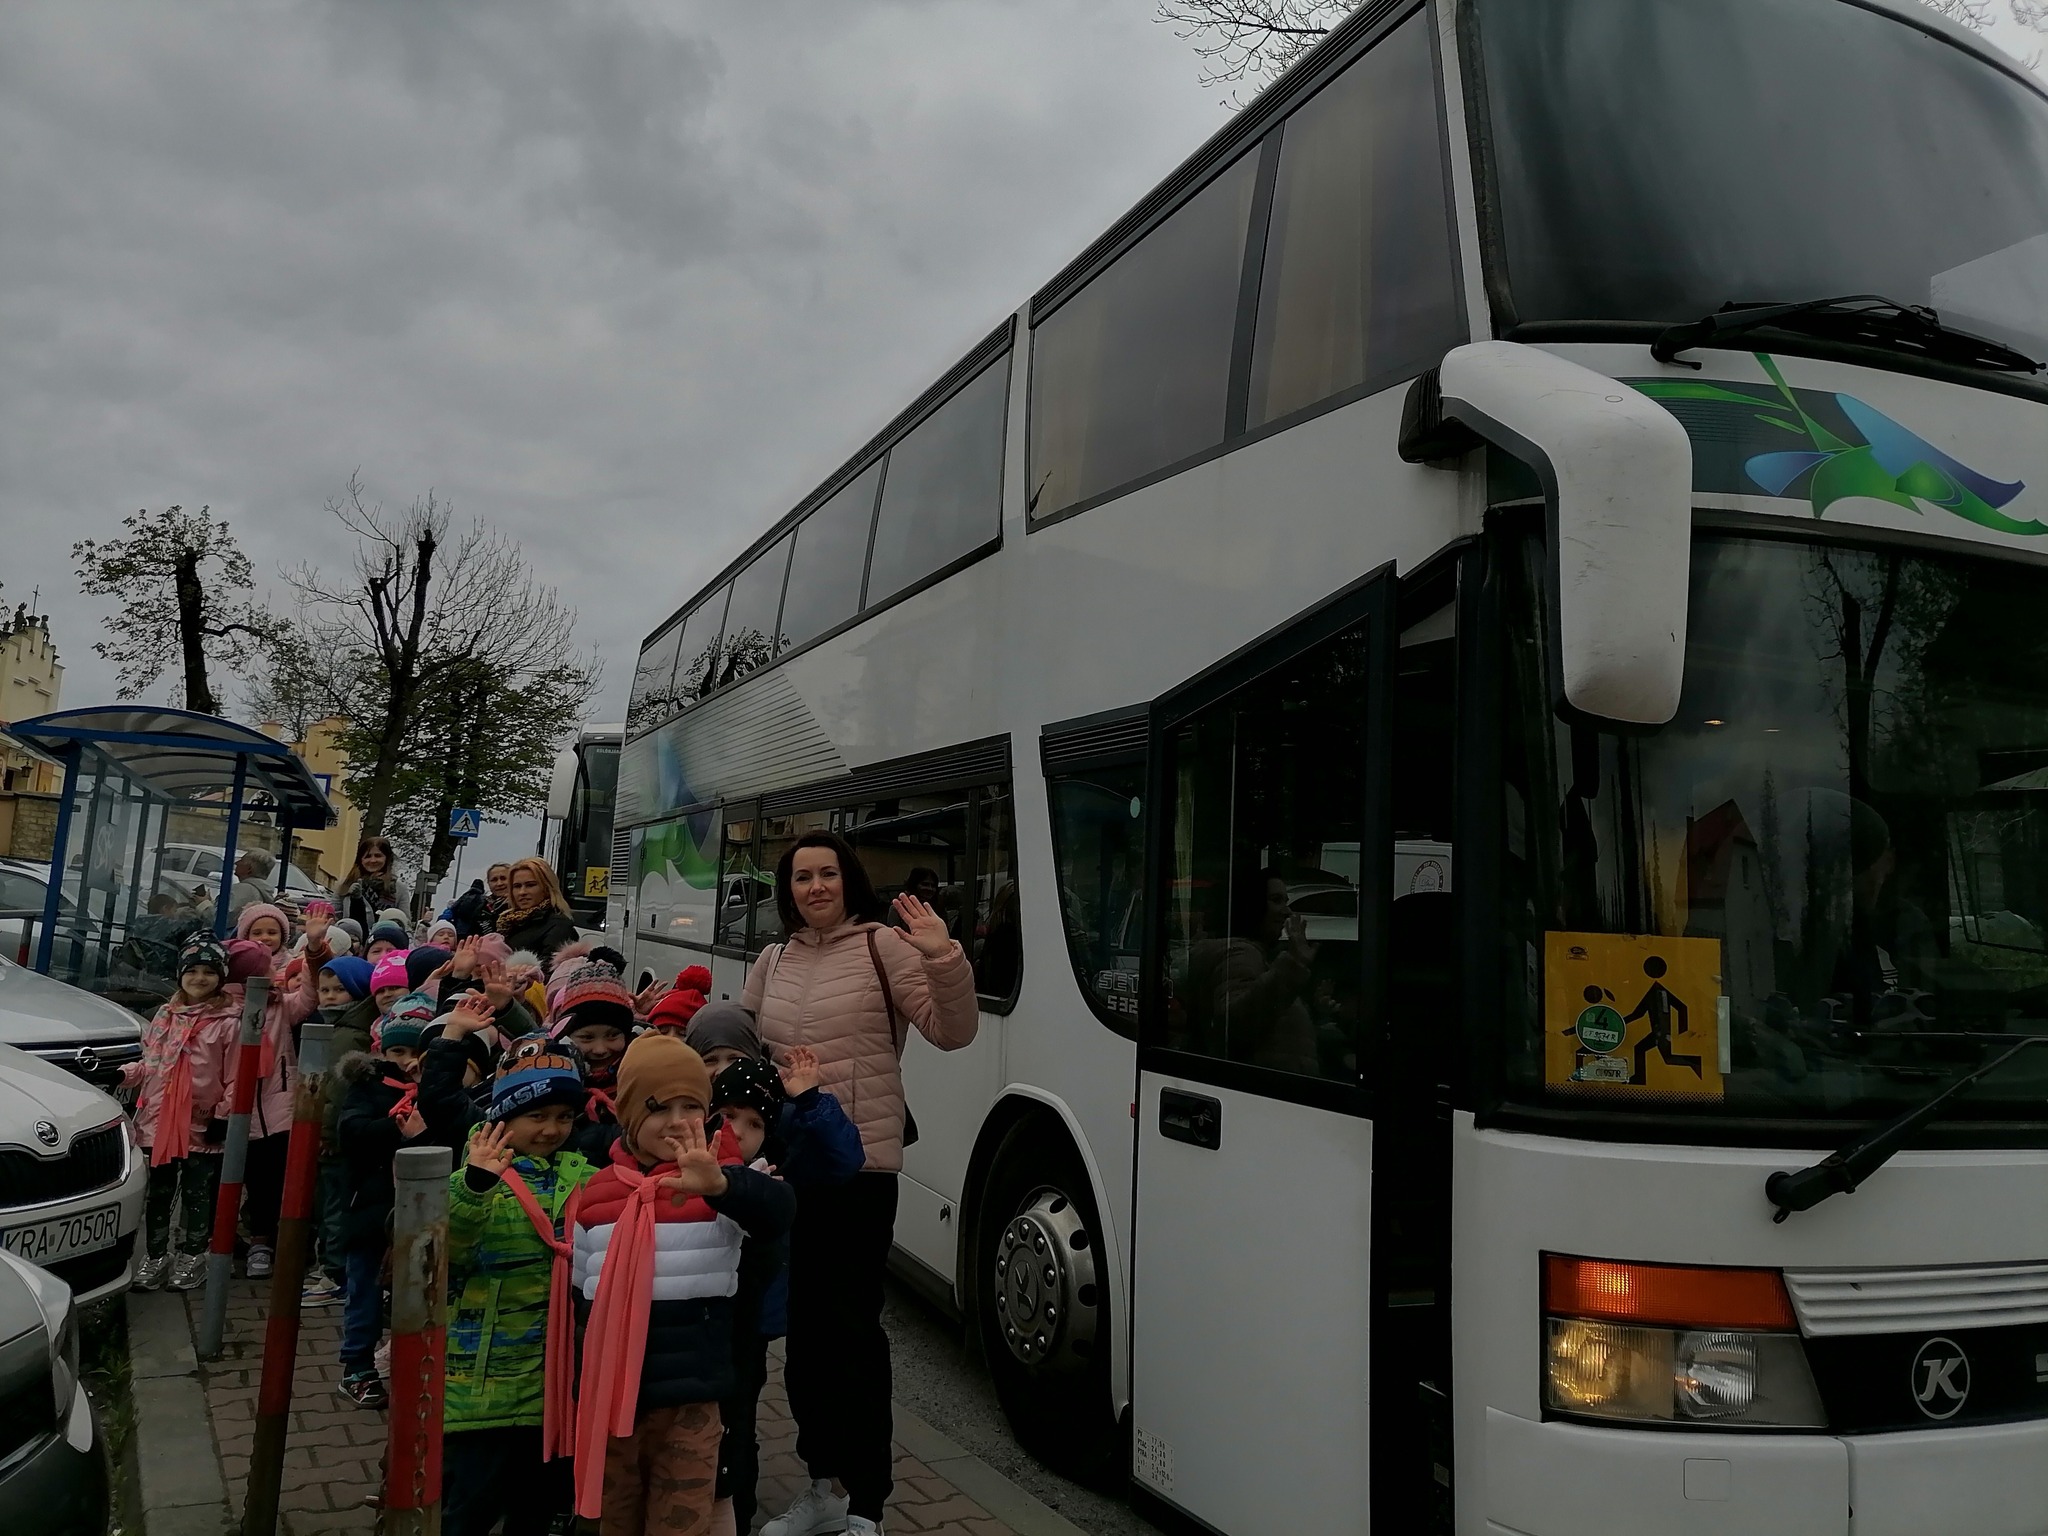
(362,1308)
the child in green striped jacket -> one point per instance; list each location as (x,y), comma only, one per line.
(499,1270)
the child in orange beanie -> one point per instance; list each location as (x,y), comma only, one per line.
(655,1266)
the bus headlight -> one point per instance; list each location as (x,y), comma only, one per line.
(1660,1343)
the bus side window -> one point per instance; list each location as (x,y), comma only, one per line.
(1098,850)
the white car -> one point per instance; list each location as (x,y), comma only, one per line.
(53,1470)
(72,1177)
(66,1026)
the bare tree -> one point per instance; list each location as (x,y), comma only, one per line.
(1251,41)
(453,664)
(175,575)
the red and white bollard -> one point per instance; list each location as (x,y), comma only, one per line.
(419,1340)
(234,1167)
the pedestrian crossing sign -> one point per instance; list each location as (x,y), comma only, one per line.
(465,821)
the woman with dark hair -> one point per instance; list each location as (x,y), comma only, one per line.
(537,917)
(850,990)
(371,884)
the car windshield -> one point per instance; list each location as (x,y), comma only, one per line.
(1654,161)
(1836,853)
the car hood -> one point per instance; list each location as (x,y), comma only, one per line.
(36,1010)
(32,1090)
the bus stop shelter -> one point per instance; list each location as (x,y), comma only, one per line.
(146,793)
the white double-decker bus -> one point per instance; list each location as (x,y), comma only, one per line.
(1473,677)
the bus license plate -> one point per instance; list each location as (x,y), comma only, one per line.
(65,1238)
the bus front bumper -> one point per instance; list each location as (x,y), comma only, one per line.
(1555,1479)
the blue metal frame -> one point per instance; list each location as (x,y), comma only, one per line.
(54,893)
(227,868)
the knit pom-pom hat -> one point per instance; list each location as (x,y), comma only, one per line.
(675,1010)
(587,982)
(658,1068)
(389,972)
(203,951)
(255,912)
(694,978)
(532,1076)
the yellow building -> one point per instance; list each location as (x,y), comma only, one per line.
(325,853)
(31,681)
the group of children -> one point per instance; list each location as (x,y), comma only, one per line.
(617,1219)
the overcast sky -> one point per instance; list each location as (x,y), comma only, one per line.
(625,277)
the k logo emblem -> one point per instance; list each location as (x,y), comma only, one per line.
(46,1133)
(1941,1378)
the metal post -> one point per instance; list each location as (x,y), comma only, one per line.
(419,1324)
(284,851)
(227,873)
(72,754)
(294,1242)
(82,904)
(234,1166)
(135,869)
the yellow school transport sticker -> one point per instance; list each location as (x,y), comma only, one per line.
(1632,1015)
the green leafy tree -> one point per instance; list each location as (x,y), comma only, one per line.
(177,577)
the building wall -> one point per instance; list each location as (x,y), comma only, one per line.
(31,684)
(325,854)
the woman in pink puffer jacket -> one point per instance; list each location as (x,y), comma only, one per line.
(831,988)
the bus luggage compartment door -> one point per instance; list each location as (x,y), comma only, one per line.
(1249,1320)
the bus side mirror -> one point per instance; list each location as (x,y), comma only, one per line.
(562,784)
(1616,470)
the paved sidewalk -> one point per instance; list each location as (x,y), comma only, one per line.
(192,1479)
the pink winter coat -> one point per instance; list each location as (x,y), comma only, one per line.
(203,1033)
(820,990)
(293,1000)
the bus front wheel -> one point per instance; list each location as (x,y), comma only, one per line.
(1044,1301)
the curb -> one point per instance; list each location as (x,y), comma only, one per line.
(179,1466)
(981,1482)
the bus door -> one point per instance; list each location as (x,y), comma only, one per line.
(1270,865)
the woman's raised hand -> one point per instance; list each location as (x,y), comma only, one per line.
(799,1070)
(922,926)
(697,1171)
(490,1149)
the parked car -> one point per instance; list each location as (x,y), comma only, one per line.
(24,887)
(53,1473)
(72,1179)
(191,867)
(66,1026)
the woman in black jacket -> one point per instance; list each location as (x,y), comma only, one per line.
(538,917)
(371,884)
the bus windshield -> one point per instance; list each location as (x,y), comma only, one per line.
(1835,855)
(1653,162)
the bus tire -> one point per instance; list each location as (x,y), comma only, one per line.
(1043,1303)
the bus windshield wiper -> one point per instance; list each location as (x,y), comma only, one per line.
(1840,1172)
(1866,319)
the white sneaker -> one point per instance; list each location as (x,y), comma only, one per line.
(150,1274)
(861,1525)
(259,1262)
(188,1271)
(815,1512)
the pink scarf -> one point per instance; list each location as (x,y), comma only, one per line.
(558,1421)
(174,1113)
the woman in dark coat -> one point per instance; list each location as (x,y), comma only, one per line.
(538,917)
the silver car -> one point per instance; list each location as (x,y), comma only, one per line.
(53,1476)
(66,1026)
(72,1179)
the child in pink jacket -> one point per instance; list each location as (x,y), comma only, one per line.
(262,933)
(181,1113)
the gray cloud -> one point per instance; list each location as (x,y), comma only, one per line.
(626,278)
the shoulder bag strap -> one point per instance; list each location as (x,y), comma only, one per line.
(888,995)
